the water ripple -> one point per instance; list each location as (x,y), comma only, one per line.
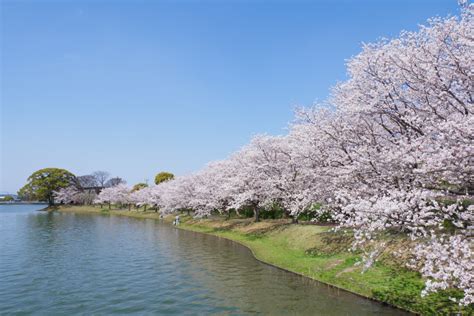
(87,264)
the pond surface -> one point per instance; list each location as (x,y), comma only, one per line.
(62,263)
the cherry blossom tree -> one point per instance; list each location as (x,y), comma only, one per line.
(74,195)
(399,146)
(119,194)
(391,150)
(67,195)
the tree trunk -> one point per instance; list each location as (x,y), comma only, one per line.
(144,208)
(110,206)
(189,212)
(294,219)
(129,207)
(256,211)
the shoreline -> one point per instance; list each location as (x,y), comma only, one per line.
(277,243)
(256,257)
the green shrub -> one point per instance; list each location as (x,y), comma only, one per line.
(404,290)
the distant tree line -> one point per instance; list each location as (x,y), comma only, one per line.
(43,184)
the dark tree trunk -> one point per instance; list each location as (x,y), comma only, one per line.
(129,206)
(256,211)
(144,208)
(294,219)
(110,206)
(189,212)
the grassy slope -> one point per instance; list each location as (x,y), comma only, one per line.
(315,252)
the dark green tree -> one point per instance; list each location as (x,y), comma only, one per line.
(163,176)
(42,183)
(8,198)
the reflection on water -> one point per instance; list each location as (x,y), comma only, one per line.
(56,263)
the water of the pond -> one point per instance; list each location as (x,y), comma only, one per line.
(62,263)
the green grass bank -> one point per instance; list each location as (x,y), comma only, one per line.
(318,253)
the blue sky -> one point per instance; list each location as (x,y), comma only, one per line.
(136,87)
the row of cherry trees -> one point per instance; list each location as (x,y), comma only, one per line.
(391,150)
(83,189)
